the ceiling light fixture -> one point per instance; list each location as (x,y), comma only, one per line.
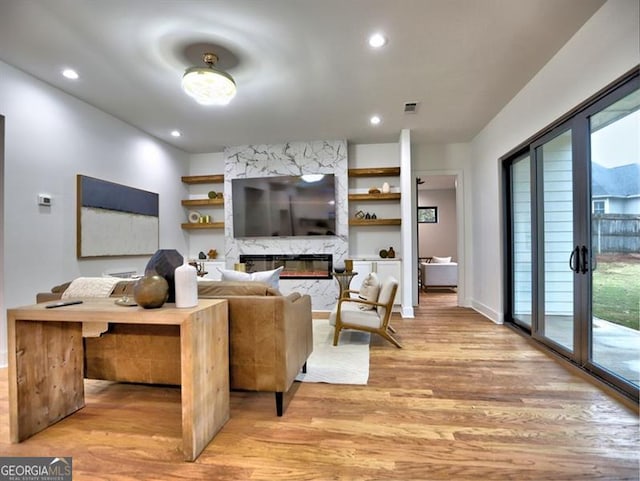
(209,85)
(70,74)
(310,178)
(175,133)
(377,40)
(375,120)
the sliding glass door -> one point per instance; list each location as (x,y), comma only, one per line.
(573,236)
(554,162)
(615,237)
(522,240)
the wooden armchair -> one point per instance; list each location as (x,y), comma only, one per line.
(348,314)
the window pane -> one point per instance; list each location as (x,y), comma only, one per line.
(557,174)
(521,222)
(615,224)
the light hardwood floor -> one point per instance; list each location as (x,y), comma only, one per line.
(464,400)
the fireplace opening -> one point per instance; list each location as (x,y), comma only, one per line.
(296,266)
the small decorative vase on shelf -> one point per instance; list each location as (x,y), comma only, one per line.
(385,188)
(186,280)
(348,265)
(151,291)
(391,253)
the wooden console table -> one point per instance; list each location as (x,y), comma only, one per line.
(46,364)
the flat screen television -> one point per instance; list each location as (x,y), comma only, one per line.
(283,206)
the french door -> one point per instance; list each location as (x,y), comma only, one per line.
(573,236)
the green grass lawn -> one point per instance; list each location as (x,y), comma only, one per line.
(616,293)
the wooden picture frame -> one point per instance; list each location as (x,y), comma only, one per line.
(114,220)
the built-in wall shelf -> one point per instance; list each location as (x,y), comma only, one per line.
(381,196)
(203,225)
(202,202)
(376,222)
(216,202)
(375,172)
(203,179)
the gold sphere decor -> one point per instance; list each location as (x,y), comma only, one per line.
(151,291)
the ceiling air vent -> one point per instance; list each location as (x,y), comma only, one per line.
(410,107)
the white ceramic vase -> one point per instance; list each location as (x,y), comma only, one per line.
(186,284)
(385,188)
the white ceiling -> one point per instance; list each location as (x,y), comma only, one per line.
(303,67)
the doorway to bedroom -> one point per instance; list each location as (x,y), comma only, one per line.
(437,233)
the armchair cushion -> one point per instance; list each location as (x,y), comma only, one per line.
(369,291)
(353,312)
(387,293)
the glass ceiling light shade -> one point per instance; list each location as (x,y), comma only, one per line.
(208,85)
(310,178)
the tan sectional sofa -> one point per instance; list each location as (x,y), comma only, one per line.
(270,339)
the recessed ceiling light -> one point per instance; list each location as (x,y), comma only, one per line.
(375,120)
(70,74)
(175,133)
(377,40)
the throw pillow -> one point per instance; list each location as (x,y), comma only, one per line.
(369,291)
(441,260)
(269,277)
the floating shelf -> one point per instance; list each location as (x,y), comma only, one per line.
(202,225)
(366,222)
(203,179)
(202,202)
(375,172)
(389,196)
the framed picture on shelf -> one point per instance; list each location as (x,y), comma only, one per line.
(428,215)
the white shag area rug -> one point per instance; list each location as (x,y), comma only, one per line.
(346,363)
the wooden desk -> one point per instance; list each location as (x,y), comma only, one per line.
(46,364)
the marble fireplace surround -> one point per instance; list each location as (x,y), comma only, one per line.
(293,158)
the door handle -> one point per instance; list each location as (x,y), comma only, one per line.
(574,258)
(585,260)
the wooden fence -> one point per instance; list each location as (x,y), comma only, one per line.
(615,233)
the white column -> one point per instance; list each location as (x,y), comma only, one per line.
(406,214)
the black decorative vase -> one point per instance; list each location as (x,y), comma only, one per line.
(164,263)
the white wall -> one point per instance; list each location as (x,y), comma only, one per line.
(439,239)
(601,51)
(49,138)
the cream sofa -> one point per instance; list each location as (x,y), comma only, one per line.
(439,274)
(270,339)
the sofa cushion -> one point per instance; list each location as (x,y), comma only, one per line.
(230,288)
(440,260)
(369,291)
(270,277)
(90,287)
